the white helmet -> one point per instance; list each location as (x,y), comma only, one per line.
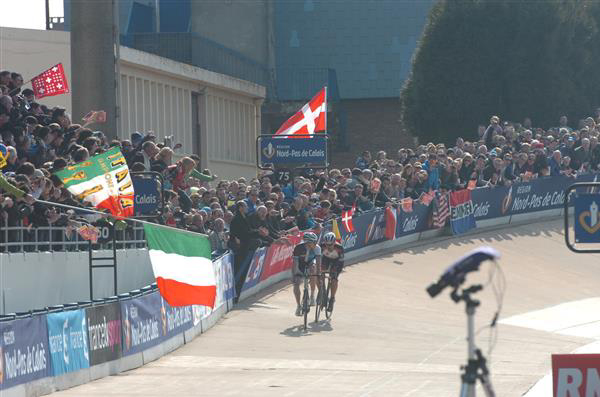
(329,238)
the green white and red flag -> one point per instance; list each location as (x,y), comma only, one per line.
(182,265)
(102,180)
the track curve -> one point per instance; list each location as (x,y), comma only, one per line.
(386,337)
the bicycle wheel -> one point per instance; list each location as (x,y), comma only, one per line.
(305,307)
(328,298)
(318,304)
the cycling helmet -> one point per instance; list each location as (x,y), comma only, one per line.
(329,238)
(310,237)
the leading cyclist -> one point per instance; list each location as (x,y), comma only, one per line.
(333,262)
(307,253)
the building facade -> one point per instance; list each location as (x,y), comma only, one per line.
(210,114)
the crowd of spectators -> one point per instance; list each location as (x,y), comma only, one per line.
(244,214)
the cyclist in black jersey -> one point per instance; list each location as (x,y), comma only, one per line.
(307,253)
(332,262)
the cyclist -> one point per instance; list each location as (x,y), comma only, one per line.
(333,262)
(307,253)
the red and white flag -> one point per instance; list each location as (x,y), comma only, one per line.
(347,220)
(390,223)
(51,82)
(308,120)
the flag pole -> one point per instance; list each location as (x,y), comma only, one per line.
(91,211)
(326,110)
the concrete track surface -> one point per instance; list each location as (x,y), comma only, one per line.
(387,337)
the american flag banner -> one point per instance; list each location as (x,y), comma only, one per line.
(51,82)
(441,210)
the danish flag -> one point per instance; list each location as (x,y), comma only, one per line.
(51,82)
(308,120)
(347,219)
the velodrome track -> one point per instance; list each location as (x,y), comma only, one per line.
(387,336)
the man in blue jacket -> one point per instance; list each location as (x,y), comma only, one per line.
(433,171)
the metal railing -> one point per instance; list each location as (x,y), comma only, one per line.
(193,49)
(19,238)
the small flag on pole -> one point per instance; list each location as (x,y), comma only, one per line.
(51,82)
(182,266)
(347,220)
(336,230)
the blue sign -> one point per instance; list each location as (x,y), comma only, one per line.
(149,320)
(68,341)
(524,197)
(298,151)
(23,351)
(587,218)
(147,195)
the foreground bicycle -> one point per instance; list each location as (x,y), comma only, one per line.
(324,296)
(306,295)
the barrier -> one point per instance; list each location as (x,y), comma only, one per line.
(46,352)
(112,337)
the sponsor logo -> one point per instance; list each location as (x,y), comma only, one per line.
(269,151)
(594,219)
(146,199)
(481,209)
(462,210)
(106,334)
(508,199)
(410,224)
(349,241)
(23,362)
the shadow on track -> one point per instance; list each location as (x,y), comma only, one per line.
(297,331)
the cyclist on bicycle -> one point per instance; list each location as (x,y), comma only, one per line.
(307,253)
(333,262)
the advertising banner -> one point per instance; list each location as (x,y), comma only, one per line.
(305,151)
(255,269)
(68,341)
(575,375)
(149,320)
(462,216)
(415,221)
(523,197)
(225,283)
(24,352)
(146,199)
(225,288)
(368,228)
(104,332)
(279,257)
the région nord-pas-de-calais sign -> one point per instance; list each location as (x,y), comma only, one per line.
(298,151)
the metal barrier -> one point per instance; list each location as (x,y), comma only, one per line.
(193,49)
(20,238)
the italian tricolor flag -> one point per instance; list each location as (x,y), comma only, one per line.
(102,180)
(182,266)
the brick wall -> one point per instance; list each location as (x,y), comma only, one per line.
(372,124)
